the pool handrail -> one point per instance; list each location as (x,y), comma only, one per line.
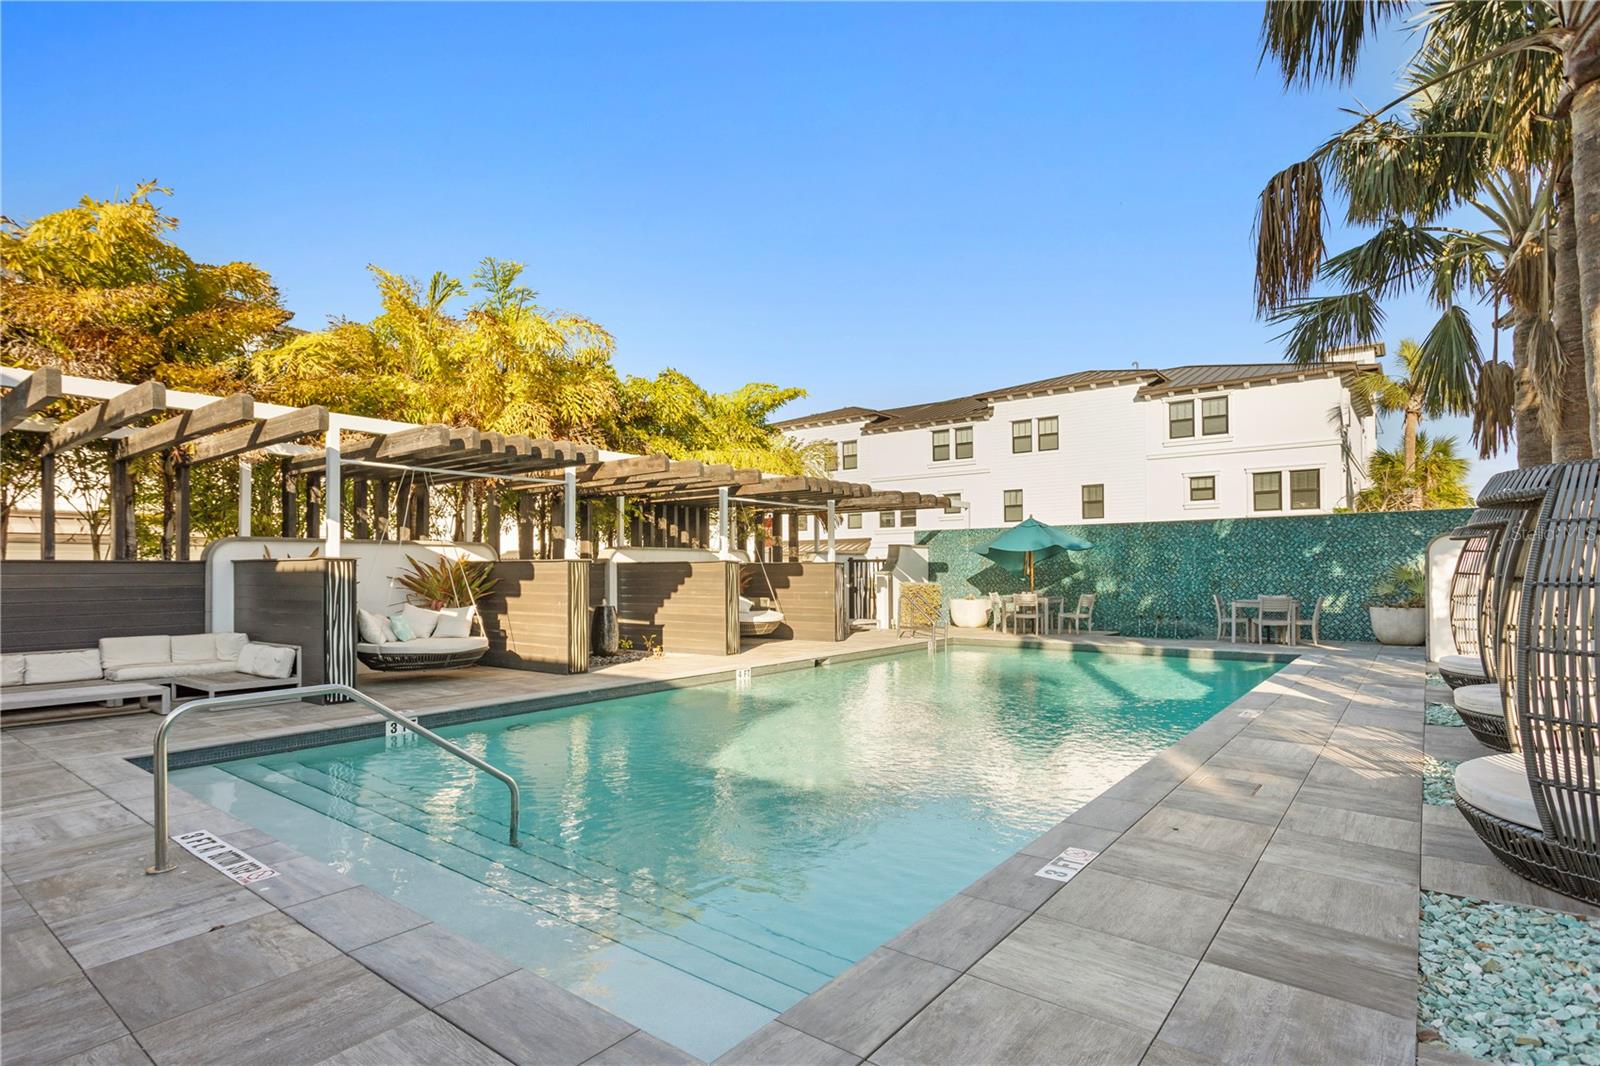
(158,757)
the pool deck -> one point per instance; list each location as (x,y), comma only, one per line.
(1254,900)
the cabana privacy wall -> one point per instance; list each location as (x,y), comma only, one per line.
(60,605)
(687,607)
(812,597)
(1174,567)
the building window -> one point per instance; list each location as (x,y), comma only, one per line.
(954,506)
(847,454)
(963,442)
(1203,489)
(1180,419)
(941,445)
(908,519)
(1094,501)
(885,519)
(1049,434)
(853,521)
(1013,505)
(1022,436)
(830,456)
(1305,490)
(1268,491)
(1214,415)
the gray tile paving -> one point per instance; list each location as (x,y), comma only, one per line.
(431,964)
(1141,911)
(425,1039)
(642,1049)
(355,918)
(776,1042)
(529,1020)
(861,1008)
(958,932)
(51,1021)
(124,1051)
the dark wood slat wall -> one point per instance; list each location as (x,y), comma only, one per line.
(686,607)
(59,605)
(537,617)
(811,595)
(285,601)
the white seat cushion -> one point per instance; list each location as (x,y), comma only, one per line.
(12,669)
(136,651)
(145,671)
(426,646)
(1470,665)
(266,660)
(1479,699)
(194,648)
(44,667)
(1498,785)
(229,645)
(206,668)
(422,620)
(454,622)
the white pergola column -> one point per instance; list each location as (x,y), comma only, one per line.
(832,556)
(569,513)
(724,530)
(333,495)
(622,521)
(246,485)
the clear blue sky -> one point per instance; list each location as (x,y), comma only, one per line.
(882,204)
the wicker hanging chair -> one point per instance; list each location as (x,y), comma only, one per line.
(1546,825)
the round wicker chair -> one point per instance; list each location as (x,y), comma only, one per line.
(1547,827)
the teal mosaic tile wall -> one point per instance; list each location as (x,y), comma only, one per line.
(1142,569)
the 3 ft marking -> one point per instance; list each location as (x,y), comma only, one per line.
(1067,865)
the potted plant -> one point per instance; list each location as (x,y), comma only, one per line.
(969,612)
(1399,609)
(449,583)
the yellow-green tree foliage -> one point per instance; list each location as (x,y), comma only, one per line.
(671,415)
(100,289)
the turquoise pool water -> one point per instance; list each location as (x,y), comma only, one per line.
(698,860)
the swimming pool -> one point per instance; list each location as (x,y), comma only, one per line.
(698,860)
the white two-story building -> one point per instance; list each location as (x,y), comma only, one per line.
(1191,442)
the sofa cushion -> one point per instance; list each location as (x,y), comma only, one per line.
(207,667)
(374,628)
(267,660)
(229,645)
(1498,785)
(130,651)
(12,669)
(194,648)
(145,671)
(455,621)
(1480,699)
(43,667)
(421,619)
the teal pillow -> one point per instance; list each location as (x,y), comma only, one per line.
(402,628)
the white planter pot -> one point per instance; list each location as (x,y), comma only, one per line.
(1399,625)
(969,614)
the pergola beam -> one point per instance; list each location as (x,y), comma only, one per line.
(202,422)
(130,406)
(302,422)
(39,389)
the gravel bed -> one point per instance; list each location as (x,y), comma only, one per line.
(1509,983)
(1439,781)
(1442,714)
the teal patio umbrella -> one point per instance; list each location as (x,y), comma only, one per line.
(1029,542)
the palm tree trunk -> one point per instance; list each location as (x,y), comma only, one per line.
(1582,63)
(1409,449)
(1572,416)
(1533,443)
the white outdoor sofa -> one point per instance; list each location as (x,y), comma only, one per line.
(145,668)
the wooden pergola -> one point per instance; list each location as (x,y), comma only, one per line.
(392,466)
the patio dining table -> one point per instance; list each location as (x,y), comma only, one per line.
(1254,604)
(1047,610)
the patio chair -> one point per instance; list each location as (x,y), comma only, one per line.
(1080,618)
(1510,504)
(1275,612)
(998,609)
(1538,809)
(1312,624)
(1025,608)
(1225,617)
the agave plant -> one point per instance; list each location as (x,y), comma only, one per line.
(447,583)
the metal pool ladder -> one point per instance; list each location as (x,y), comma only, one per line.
(158,757)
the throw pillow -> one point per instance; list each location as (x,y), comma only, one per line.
(374,628)
(455,622)
(265,660)
(401,628)
(422,620)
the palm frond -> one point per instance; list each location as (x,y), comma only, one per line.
(1288,234)
(1319,40)
(1447,358)
(1319,324)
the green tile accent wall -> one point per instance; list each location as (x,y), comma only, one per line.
(1172,568)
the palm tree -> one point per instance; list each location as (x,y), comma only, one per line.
(1435,478)
(1509,68)
(1413,395)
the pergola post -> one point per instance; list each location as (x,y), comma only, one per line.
(124,528)
(287,506)
(420,500)
(832,557)
(792,522)
(621,538)
(723,530)
(313,516)
(246,486)
(47,506)
(363,516)
(524,525)
(569,516)
(181,534)
(332,495)
(380,509)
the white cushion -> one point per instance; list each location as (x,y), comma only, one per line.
(229,645)
(1482,699)
(454,622)
(128,651)
(209,666)
(194,648)
(146,671)
(374,627)
(422,620)
(266,660)
(426,646)
(45,667)
(1470,665)
(1498,785)
(12,669)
